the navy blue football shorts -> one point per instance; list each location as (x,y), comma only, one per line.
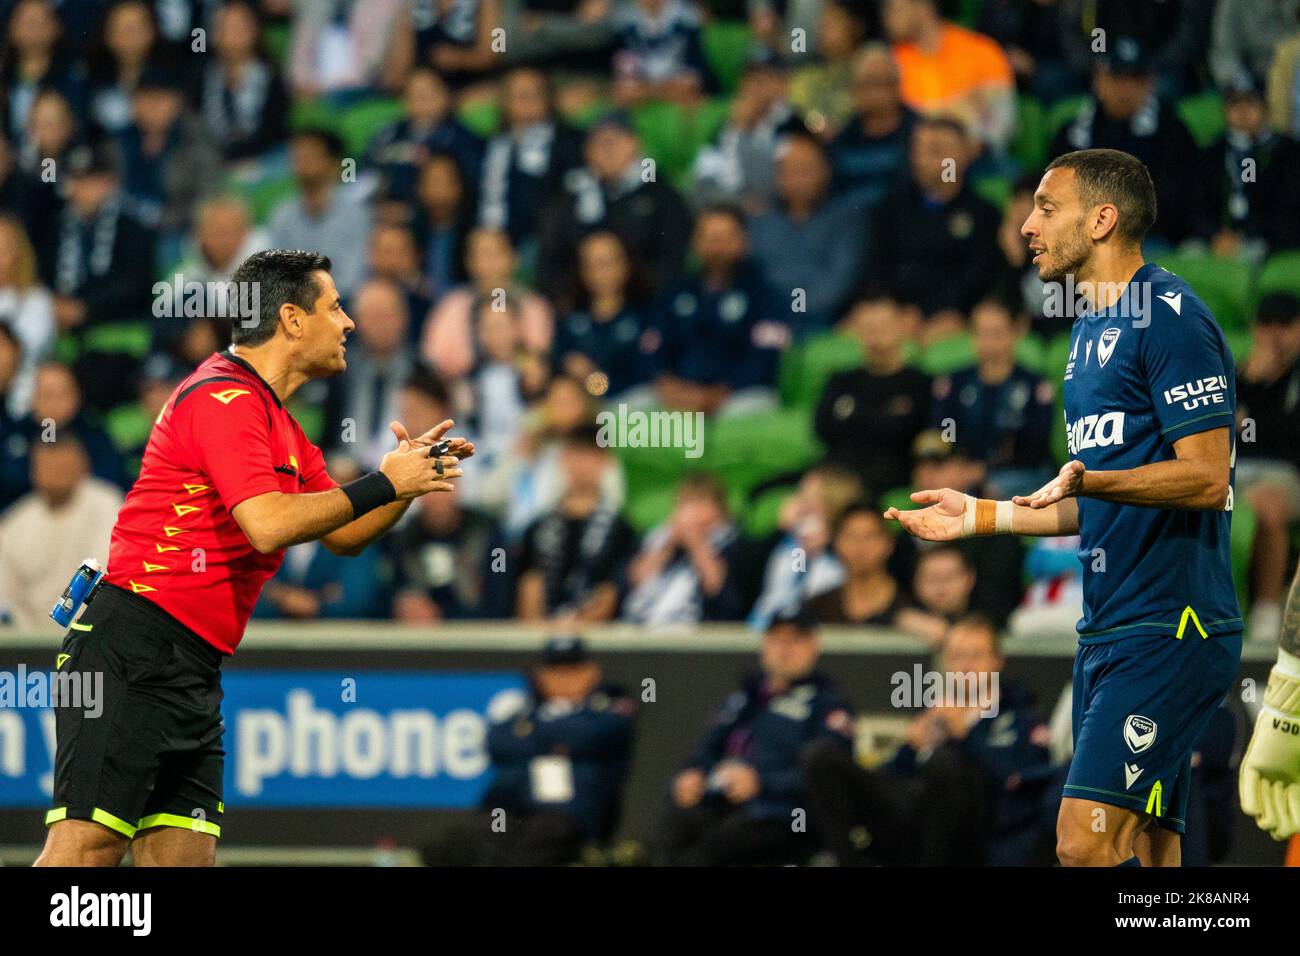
(1140,704)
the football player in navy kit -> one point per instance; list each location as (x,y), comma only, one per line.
(1150,400)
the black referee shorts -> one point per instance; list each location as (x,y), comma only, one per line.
(149,755)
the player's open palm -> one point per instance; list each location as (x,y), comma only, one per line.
(1067,483)
(941,521)
(414,473)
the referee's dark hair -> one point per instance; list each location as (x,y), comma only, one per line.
(279,276)
(1115,177)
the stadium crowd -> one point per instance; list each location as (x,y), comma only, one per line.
(795,219)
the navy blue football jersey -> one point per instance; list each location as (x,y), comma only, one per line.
(1142,374)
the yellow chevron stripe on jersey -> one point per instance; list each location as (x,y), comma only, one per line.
(155,567)
(173,532)
(195,489)
(228,395)
(140,588)
(1189,614)
(183,510)
(165,547)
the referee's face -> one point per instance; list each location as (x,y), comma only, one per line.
(327,327)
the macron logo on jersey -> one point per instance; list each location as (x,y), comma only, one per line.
(1174,300)
(1095,431)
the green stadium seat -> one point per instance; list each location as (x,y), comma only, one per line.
(649,507)
(1241,544)
(759,517)
(948,354)
(1031,353)
(1059,113)
(593,111)
(482,116)
(1281,273)
(275,40)
(362,122)
(994,189)
(1239,342)
(1223,284)
(820,357)
(314,113)
(128,427)
(1203,114)
(1028,146)
(726,45)
(263,197)
(672,135)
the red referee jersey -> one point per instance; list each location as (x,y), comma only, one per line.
(222,437)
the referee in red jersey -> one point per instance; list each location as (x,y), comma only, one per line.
(228,481)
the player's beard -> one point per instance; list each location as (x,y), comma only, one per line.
(1068,256)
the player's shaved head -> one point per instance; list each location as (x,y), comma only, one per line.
(1110,176)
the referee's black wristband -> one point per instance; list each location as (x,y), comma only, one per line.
(369,492)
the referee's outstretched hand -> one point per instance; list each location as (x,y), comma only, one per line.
(458,447)
(413,473)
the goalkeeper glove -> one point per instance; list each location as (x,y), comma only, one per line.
(1269,782)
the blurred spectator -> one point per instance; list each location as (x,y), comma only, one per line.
(67,517)
(1053,601)
(327,215)
(942,587)
(529,159)
(442,221)
(800,562)
(952,71)
(450,562)
(573,559)
(809,246)
(242,98)
(723,328)
(100,267)
(314,584)
(128,46)
(490,401)
(657,53)
(14,466)
(427,126)
(694,567)
(168,163)
(869,155)
(868,417)
(616,190)
(364,401)
(1249,197)
(964,788)
(29,191)
(575,36)
(732,805)
(558,767)
(456,38)
(1030,37)
(821,91)
(1245,35)
(1268,452)
(394,255)
(1283,89)
(529,481)
(609,341)
(224,236)
(31,61)
(998,411)
(933,242)
(1126,112)
(740,164)
(869,595)
(451,330)
(56,408)
(1175,34)
(346,49)
(25,308)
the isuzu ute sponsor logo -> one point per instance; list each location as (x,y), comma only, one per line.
(1095,431)
(1211,390)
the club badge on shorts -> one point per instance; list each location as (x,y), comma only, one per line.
(1139,733)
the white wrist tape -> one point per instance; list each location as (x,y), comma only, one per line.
(1002,524)
(968,517)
